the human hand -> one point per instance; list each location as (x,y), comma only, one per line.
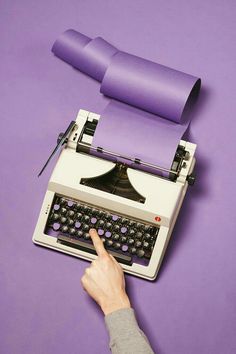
(104,280)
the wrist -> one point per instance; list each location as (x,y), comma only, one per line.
(110,305)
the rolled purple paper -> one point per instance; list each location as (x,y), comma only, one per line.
(69,47)
(91,56)
(139,82)
(150,86)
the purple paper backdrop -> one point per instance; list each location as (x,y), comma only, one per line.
(191,308)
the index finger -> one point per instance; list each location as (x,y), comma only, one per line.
(97,242)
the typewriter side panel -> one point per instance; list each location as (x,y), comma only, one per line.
(43,216)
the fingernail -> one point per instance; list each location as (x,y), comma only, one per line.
(92,230)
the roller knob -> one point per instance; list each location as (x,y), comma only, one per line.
(191,179)
(59,137)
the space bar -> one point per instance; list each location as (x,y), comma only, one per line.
(88,247)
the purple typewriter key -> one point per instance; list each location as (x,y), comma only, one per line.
(123,230)
(93,220)
(77,224)
(124,248)
(70,203)
(115,217)
(56,226)
(100,232)
(108,234)
(56,207)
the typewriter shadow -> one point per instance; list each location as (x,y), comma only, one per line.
(196,105)
(186,214)
(199,190)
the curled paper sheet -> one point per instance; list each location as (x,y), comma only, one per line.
(150,86)
(138,134)
(91,56)
(143,86)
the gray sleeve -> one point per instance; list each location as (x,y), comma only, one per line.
(125,335)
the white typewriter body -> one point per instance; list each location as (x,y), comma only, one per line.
(163,197)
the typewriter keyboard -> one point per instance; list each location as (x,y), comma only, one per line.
(128,240)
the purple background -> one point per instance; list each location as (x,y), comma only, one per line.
(191,308)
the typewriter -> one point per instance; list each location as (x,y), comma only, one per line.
(132,209)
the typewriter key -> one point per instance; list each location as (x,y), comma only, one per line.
(64,228)
(77,224)
(79,233)
(63,220)
(70,222)
(138,244)
(131,241)
(87,236)
(85,227)
(123,230)
(139,235)
(116,228)
(86,218)
(108,234)
(116,245)
(146,245)
(124,248)
(93,221)
(133,250)
(109,243)
(72,230)
(63,211)
(115,217)
(79,216)
(100,223)
(124,221)
(108,226)
(56,226)
(140,253)
(71,213)
(55,216)
(116,237)
(123,239)
(147,237)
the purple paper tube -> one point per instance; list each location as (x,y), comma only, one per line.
(91,56)
(128,78)
(150,86)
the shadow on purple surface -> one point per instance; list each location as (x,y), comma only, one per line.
(199,189)
(186,215)
(185,218)
(196,106)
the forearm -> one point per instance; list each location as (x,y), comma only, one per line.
(125,335)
